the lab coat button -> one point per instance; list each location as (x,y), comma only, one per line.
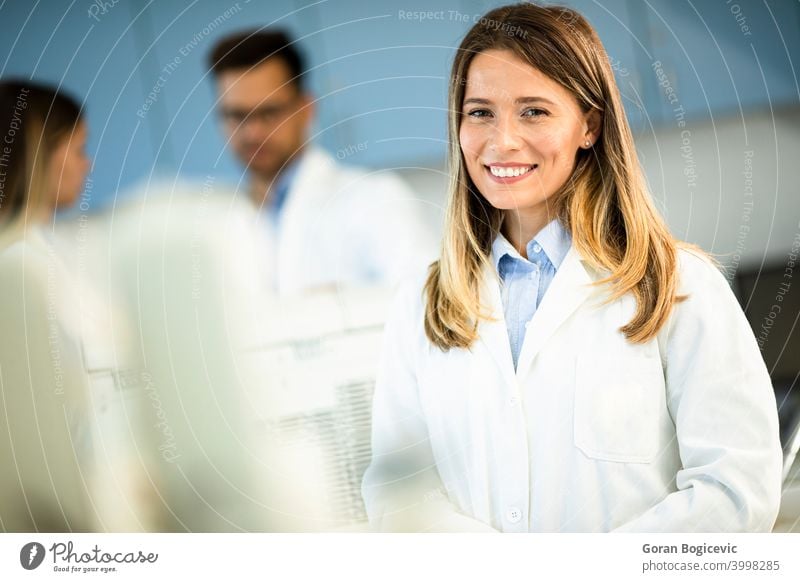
(513,514)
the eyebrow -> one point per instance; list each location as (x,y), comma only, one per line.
(518,101)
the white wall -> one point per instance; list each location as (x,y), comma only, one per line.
(712,210)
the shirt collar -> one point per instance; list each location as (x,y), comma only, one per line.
(554,240)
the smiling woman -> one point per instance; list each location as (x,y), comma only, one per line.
(519,148)
(557,367)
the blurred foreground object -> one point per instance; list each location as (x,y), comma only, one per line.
(246,412)
(45,440)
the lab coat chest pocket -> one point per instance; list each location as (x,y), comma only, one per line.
(618,401)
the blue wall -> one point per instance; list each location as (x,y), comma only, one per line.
(379,73)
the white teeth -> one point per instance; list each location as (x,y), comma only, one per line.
(508,172)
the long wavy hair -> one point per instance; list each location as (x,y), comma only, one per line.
(605,204)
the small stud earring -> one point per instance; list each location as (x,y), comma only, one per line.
(587,143)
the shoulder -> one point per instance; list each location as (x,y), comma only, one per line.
(407,311)
(410,292)
(34,279)
(404,331)
(376,183)
(709,307)
(698,273)
(28,252)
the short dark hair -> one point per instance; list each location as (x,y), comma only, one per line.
(249,48)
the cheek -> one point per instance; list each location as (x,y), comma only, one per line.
(550,142)
(59,169)
(559,147)
(76,175)
(240,141)
(289,133)
(75,164)
(470,139)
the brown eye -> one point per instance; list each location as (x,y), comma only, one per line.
(533,112)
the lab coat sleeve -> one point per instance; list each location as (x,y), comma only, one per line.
(401,488)
(721,399)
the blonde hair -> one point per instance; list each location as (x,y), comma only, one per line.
(605,204)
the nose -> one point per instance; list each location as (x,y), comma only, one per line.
(506,136)
(254,130)
(251,126)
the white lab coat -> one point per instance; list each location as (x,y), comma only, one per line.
(342,225)
(45,437)
(591,433)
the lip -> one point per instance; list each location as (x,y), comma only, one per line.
(509,179)
(258,152)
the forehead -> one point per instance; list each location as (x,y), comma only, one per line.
(499,75)
(249,87)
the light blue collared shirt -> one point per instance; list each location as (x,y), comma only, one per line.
(525,281)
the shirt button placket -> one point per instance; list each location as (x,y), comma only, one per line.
(517,475)
(513,514)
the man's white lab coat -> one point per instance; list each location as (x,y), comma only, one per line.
(342,225)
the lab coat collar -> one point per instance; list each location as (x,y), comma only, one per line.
(282,185)
(314,184)
(570,288)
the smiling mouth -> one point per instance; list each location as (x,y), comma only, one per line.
(510,173)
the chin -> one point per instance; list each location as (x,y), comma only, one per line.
(507,199)
(262,165)
(67,196)
(501,204)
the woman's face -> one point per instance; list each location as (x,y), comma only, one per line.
(520,132)
(68,168)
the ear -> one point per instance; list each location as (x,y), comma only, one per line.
(591,127)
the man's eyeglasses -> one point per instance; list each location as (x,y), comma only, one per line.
(269,114)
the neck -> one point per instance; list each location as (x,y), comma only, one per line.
(263,184)
(520,226)
(260,188)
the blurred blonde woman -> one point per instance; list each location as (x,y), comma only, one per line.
(44,440)
(566,365)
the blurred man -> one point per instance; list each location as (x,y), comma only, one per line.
(328,224)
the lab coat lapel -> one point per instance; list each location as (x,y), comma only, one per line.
(570,287)
(493,333)
(305,200)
